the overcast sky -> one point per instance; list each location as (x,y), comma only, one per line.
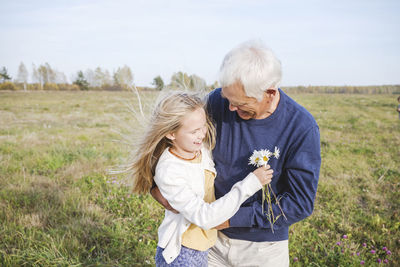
(340,42)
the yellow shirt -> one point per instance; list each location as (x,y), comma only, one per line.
(195,237)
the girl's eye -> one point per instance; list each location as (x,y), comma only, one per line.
(203,129)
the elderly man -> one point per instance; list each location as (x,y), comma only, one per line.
(250,113)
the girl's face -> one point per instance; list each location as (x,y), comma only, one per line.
(187,141)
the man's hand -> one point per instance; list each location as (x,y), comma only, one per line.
(222,225)
(156,194)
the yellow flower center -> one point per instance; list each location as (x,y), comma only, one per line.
(265,158)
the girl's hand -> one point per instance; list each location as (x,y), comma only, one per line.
(264,174)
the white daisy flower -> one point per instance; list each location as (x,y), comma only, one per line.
(277,153)
(255,158)
(265,155)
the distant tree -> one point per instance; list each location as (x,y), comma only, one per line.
(43,74)
(98,77)
(46,74)
(51,74)
(123,77)
(158,82)
(22,76)
(81,81)
(90,77)
(4,76)
(180,80)
(197,83)
(61,77)
(107,78)
(36,78)
(115,78)
(102,78)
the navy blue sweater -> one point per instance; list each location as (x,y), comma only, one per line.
(293,130)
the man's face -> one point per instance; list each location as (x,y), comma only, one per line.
(246,107)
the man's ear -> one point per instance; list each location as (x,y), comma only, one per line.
(170,136)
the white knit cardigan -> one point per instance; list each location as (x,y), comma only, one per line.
(182,184)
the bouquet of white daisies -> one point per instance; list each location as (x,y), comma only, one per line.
(258,159)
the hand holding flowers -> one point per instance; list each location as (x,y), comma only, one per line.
(260,158)
(264,174)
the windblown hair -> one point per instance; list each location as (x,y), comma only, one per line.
(166,118)
(253,65)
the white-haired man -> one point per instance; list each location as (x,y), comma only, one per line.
(251,113)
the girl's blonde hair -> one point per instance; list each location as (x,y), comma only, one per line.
(166,118)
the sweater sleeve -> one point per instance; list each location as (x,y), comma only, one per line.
(299,178)
(174,187)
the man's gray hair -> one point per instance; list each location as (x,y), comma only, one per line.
(254,65)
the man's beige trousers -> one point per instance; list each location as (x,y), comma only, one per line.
(240,253)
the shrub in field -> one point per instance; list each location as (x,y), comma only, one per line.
(33,87)
(51,87)
(8,86)
(68,87)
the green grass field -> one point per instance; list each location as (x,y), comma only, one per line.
(59,206)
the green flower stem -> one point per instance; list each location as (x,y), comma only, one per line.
(279,205)
(267,191)
(270,212)
(266,195)
(263,198)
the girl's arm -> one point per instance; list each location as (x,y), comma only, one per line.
(156,194)
(174,187)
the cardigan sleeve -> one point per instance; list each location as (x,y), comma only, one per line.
(175,188)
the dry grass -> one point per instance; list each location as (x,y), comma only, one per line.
(59,206)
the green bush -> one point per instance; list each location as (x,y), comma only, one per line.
(8,86)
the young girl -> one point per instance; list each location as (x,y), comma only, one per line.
(175,150)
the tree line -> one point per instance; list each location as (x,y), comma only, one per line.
(346,89)
(44,77)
